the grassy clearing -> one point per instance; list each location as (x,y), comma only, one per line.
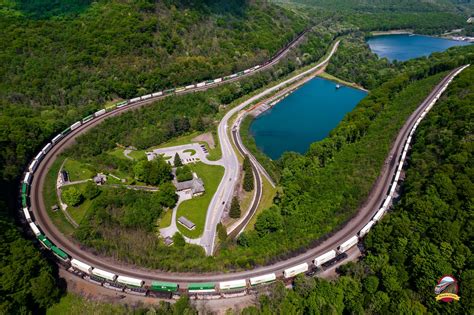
(330,77)
(196,208)
(190,151)
(118,153)
(177,141)
(51,198)
(165,220)
(216,153)
(74,304)
(137,154)
(268,193)
(78,170)
(78,213)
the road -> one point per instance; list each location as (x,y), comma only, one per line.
(225,191)
(365,213)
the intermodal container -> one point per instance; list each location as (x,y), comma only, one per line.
(206,287)
(59,253)
(164,286)
(87,118)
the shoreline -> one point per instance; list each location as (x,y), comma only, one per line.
(392,32)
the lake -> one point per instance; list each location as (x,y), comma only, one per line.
(404,47)
(305,116)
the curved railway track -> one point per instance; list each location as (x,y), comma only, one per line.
(364,215)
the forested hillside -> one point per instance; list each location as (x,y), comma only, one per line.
(428,233)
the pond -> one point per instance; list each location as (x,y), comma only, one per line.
(305,116)
(407,46)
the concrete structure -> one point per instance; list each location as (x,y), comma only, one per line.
(186,223)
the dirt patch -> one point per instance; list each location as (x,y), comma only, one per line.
(206,137)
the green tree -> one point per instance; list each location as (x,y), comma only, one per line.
(270,220)
(140,170)
(221,232)
(177,160)
(234,212)
(72,196)
(91,191)
(179,240)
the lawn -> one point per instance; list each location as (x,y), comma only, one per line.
(77,170)
(137,154)
(190,151)
(165,220)
(216,153)
(78,213)
(268,193)
(177,141)
(196,208)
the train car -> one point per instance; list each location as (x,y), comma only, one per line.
(87,118)
(66,131)
(296,270)
(344,247)
(104,274)
(130,282)
(113,286)
(35,229)
(387,202)
(366,228)
(145,97)
(318,261)
(217,80)
(135,99)
(59,253)
(110,107)
(180,89)
(248,70)
(99,112)
(234,285)
(169,91)
(26,213)
(75,125)
(44,241)
(201,84)
(24,188)
(39,156)
(156,94)
(79,265)
(122,104)
(46,148)
(161,286)
(394,186)
(239,73)
(202,288)
(379,215)
(265,279)
(24,200)
(256,67)
(191,86)
(33,166)
(334,260)
(209,82)
(27,178)
(56,139)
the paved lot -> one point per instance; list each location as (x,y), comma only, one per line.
(186,157)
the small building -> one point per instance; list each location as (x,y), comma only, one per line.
(168,241)
(194,186)
(54,208)
(186,223)
(100,179)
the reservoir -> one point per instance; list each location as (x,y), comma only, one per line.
(405,46)
(305,116)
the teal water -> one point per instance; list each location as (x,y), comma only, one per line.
(404,47)
(305,116)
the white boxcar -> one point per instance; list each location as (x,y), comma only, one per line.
(47,148)
(348,244)
(191,86)
(256,67)
(386,202)
(157,94)
(130,281)
(35,229)
(394,186)
(27,214)
(57,138)
(263,279)
(79,265)
(27,178)
(318,261)
(33,166)
(232,285)
(75,125)
(366,229)
(39,156)
(104,274)
(99,112)
(145,97)
(201,84)
(135,99)
(296,270)
(379,215)
(248,70)
(218,80)
(181,89)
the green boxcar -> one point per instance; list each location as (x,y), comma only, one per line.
(121,103)
(58,252)
(24,202)
(24,188)
(47,243)
(66,131)
(210,81)
(169,91)
(201,286)
(164,286)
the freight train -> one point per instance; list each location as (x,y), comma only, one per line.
(208,290)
